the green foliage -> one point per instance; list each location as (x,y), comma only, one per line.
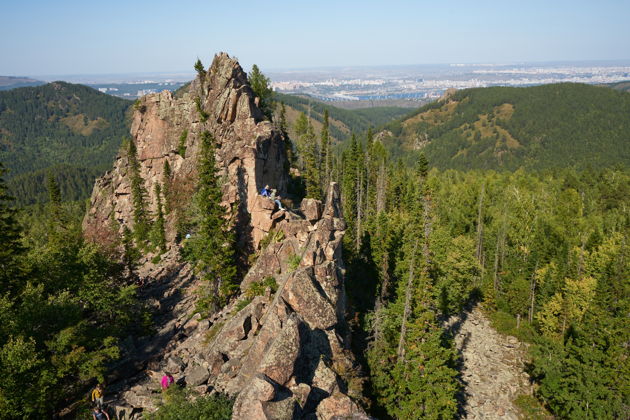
(203,115)
(294,261)
(181,146)
(261,85)
(180,405)
(356,120)
(547,126)
(211,246)
(73,129)
(258,288)
(138,195)
(547,253)
(158,234)
(201,72)
(12,251)
(66,309)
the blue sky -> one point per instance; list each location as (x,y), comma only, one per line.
(90,37)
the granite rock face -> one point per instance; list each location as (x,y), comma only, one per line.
(250,154)
(281,349)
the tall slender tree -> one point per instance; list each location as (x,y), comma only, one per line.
(212,245)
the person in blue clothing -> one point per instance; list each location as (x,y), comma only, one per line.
(265,192)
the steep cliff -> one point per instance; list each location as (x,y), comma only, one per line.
(281,349)
(167,127)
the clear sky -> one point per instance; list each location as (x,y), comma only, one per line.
(111,36)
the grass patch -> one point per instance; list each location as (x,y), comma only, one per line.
(242,304)
(212,332)
(294,261)
(531,408)
(505,324)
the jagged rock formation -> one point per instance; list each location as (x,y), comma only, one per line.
(281,352)
(250,153)
(283,355)
(493,368)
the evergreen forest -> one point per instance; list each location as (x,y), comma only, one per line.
(505,128)
(71,130)
(514,200)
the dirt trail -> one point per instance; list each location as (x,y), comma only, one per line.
(492,368)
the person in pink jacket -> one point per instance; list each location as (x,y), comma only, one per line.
(167,380)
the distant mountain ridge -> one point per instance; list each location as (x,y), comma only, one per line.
(342,121)
(70,128)
(13,82)
(506,128)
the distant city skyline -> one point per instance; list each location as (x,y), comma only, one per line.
(71,37)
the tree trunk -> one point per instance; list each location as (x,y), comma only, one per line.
(359,211)
(408,293)
(380,188)
(532,300)
(480,225)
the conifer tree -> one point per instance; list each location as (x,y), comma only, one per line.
(282,120)
(11,251)
(310,159)
(199,69)
(138,195)
(54,198)
(166,191)
(261,85)
(324,163)
(159,235)
(212,245)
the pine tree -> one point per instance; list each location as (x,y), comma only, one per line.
(212,245)
(159,235)
(11,251)
(324,164)
(310,159)
(138,195)
(166,191)
(261,85)
(199,69)
(282,124)
(54,198)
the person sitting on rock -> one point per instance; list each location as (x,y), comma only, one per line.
(265,192)
(276,199)
(167,380)
(99,414)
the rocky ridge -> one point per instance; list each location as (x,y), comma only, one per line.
(492,368)
(167,127)
(281,349)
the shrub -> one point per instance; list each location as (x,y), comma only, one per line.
(294,261)
(178,404)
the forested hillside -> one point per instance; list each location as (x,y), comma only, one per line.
(71,129)
(342,121)
(545,254)
(548,126)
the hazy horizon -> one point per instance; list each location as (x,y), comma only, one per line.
(79,38)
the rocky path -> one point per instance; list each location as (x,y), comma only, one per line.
(492,368)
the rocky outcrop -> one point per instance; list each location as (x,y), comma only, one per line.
(493,368)
(167,127)
(281,349)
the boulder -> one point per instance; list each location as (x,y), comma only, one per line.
(196,375)
(339,406)
(311,209)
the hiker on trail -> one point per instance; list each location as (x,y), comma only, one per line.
(265,192)
(167,380)
(97,396)
(99,414)
(276,199)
